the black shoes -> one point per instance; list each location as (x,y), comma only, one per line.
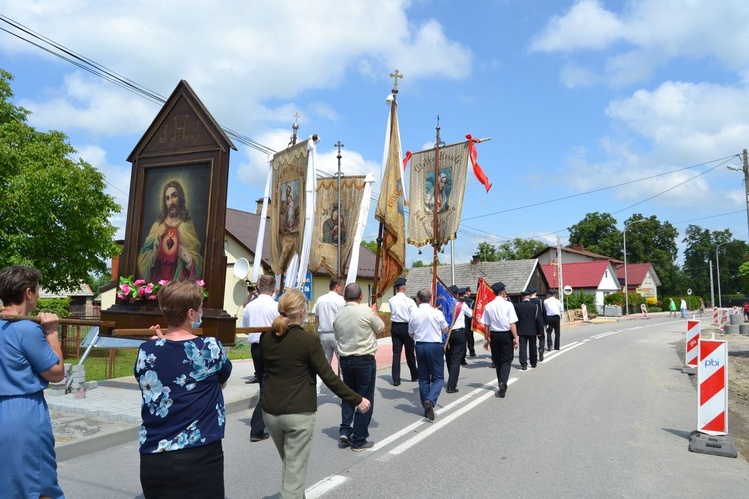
(366,445)
(463,363)
(254,379)
(541,356)
(429,412)
(259,438)
(452,390)
(533,366)
(344,440)
(524,368)
(472,354)
(502,391)
(396,383)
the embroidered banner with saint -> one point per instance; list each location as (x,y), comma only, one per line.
(443,193)
(287,205)
(333,227)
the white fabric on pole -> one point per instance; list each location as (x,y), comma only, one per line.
(309,213)
(353,263)
(258,258)
(291,272)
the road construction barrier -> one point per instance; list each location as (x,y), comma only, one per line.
(712,388)
(723,318)
(585,312)
(693,339)
(644,310)
(735,310)
(716,316)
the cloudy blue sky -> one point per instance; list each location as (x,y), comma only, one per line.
(612,106)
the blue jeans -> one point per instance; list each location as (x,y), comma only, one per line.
(430,363)
(359,373)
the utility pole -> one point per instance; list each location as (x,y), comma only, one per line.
(746,188)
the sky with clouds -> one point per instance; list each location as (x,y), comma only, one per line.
(612,106)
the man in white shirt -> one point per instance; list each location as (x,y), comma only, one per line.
(426,327)
(260,312)
(401,307)
(326,308)
(456,347)
(554,311)
(501,333)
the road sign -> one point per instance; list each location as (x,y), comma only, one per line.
(568,290)
(689,291)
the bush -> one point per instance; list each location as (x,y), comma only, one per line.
(59,306)
(651,301)
(576,299)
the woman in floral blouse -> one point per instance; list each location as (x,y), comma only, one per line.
(180,376)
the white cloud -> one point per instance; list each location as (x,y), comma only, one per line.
(647,34)
(236,55)
(587,25)
(698,120)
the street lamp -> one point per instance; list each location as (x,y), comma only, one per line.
(626,284)
(745,170)
(717,263)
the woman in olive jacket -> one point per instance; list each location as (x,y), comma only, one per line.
(293,358)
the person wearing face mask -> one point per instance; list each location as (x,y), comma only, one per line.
(293,359)
(180,377)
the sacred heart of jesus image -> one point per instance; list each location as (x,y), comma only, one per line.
(170,240)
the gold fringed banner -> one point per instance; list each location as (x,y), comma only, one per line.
(326,234)
(287,205)
(445,195)
(389,211)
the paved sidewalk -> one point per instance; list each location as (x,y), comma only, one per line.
(110,413)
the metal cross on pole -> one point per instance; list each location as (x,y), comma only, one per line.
(395,74)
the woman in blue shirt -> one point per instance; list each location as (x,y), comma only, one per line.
(180,376)
(30,357)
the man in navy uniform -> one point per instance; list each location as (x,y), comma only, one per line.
(530,325)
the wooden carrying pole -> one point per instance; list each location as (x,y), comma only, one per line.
(64,322)
(435,210)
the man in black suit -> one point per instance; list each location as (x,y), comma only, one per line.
(542,337)
(530,324)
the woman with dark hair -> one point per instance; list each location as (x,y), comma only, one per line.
(293,358)
(180,376)
(30,357)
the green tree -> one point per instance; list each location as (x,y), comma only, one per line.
(597,233)
(54,214)
(487,252)
(701,248)
(519,249)
(651,241)
(370,245)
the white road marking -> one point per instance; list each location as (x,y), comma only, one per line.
(324,486)
(434,427)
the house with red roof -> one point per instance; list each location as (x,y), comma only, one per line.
(595,277)
(641,278)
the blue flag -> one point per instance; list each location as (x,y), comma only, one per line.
(446,303)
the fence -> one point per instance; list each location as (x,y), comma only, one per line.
(101,363)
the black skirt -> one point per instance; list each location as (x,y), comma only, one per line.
(197,472)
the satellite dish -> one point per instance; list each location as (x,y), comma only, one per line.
(241,269)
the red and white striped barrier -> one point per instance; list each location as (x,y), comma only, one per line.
(716,316)
(723,318)
(735,310)
(712,388)
(585,312)
(644,310)
(693,340)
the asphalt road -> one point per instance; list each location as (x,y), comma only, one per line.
(607,416)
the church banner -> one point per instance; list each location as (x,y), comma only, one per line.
(333,227)
(287,212)
(443,193)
